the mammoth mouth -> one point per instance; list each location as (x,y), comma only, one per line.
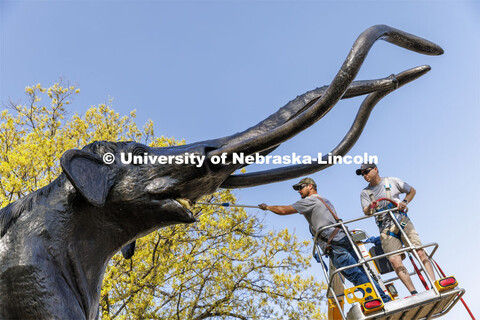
(183,206)
(184,202)
(178,208)
(172,210)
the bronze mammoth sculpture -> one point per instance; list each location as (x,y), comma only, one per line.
(56,242)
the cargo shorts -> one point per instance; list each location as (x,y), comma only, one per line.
(391,243)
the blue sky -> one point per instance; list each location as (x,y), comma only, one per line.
(206,69)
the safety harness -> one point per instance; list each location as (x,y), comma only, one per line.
(335,231)
(401,223)
(390,205)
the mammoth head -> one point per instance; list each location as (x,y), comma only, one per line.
(130,173)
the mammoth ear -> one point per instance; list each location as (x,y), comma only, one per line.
(88,174)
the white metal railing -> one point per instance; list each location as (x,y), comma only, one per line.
(362,262)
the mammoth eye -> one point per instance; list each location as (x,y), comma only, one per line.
(139,151)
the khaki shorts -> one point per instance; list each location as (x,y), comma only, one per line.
(391,243)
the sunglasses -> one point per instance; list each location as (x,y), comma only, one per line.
(366,171)
(300,187)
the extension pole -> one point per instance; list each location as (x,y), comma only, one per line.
(227,204)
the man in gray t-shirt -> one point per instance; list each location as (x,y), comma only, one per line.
(319,213)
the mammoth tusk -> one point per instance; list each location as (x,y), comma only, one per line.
(335,91)
(300,104)
(289,172)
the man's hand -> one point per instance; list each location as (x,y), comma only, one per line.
(263,206)
(402,206)
(372,206)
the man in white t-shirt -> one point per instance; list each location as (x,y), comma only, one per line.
(390,236)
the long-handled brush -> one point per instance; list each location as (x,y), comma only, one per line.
(227,204)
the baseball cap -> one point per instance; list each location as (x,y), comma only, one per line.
(365,166)
(304,181)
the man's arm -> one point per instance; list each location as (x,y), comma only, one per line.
(280,210)
(408,198)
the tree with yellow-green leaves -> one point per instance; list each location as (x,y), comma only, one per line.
(225,266)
